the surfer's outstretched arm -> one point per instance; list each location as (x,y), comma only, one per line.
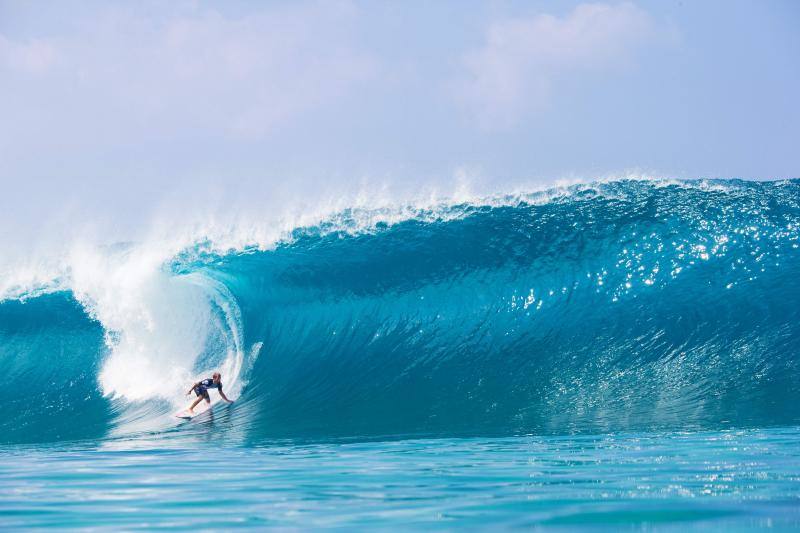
(224,397)
(192,388)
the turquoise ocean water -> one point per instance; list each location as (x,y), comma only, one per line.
(726,480)
(611,355)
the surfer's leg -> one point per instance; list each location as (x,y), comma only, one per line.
(201,395)
(194,403)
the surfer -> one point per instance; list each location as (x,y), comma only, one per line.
(201,389)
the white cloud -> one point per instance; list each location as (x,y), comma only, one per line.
(517,69)
(137,73)
(32,57)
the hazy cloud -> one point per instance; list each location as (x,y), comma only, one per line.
(518,67)
(32,57)
(191,70)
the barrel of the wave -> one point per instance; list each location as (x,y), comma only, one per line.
(621,306)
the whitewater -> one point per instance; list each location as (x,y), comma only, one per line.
(648,328)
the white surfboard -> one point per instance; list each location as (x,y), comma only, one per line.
(201,408)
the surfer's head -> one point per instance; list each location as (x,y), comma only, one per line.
(216,376)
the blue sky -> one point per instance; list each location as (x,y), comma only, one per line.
(121,108)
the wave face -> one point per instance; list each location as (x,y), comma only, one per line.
(634,305)
(50,354)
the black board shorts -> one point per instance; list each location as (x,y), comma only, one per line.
(202,392)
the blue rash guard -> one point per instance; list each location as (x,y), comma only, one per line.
(202,388)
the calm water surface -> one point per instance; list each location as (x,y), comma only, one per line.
(720,480)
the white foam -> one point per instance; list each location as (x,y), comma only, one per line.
(157,323)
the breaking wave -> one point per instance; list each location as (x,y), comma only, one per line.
(631,305)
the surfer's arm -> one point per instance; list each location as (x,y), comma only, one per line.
(224,397)
(192,388)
